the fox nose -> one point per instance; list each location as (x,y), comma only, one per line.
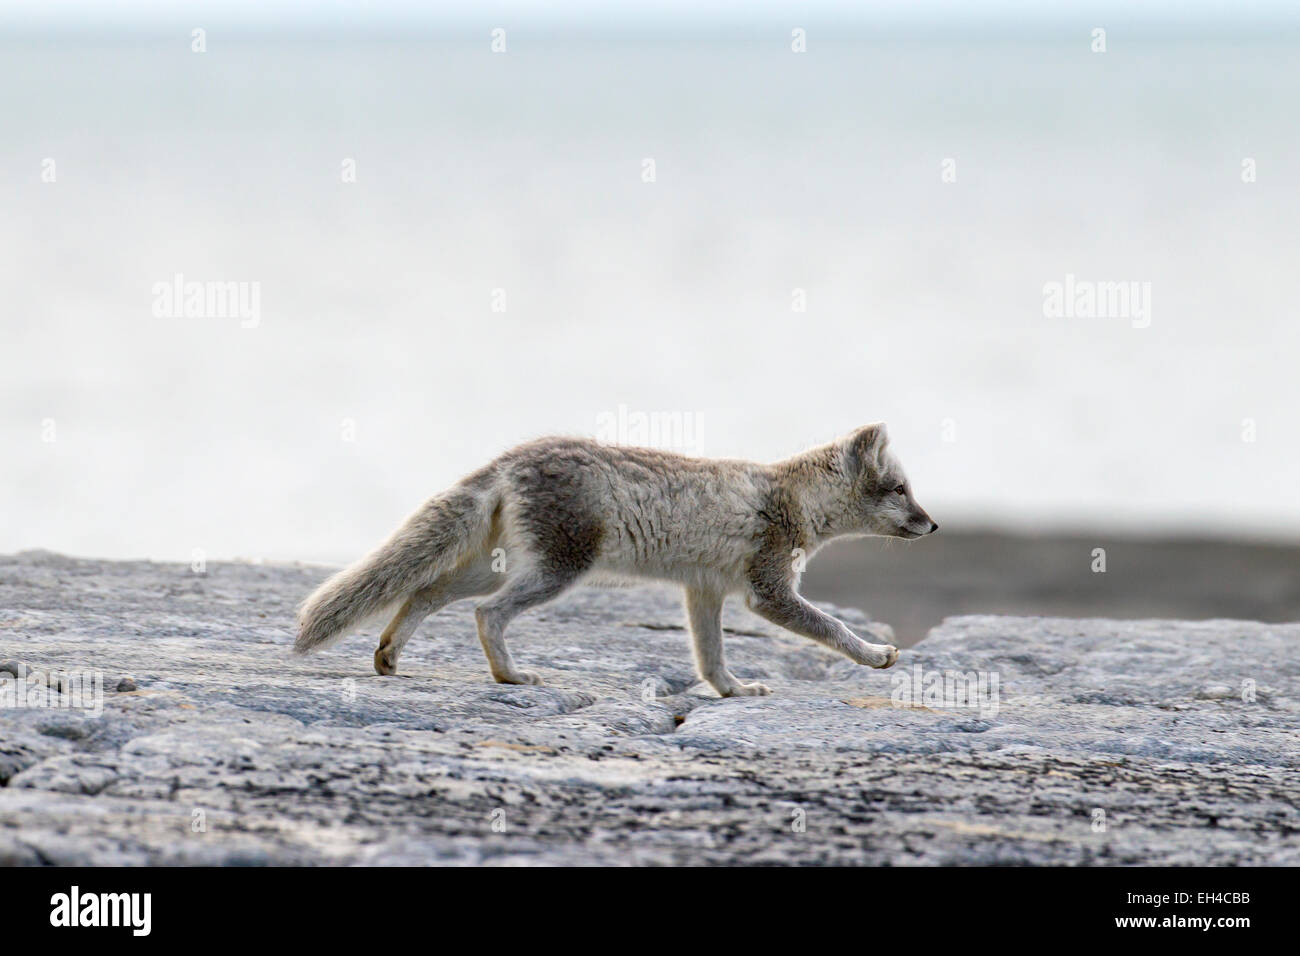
(934,526)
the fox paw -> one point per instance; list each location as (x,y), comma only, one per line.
(749,690)
(882,655)
(519,677)
(383,665)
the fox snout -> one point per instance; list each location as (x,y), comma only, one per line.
(917,523)
(920,526)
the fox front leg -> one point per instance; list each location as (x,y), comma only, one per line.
(704,611)
(783,606)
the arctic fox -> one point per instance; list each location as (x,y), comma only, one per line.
(554,512)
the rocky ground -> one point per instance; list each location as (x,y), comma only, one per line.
(1103,742)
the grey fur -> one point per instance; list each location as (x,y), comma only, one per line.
(561,511)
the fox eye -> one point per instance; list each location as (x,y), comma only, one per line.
(899,490)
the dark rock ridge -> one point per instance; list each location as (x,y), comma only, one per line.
(1107,742)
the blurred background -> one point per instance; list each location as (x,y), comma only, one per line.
(731,229)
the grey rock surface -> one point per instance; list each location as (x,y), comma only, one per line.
(1107,742)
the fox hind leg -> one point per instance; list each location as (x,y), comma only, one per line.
(470,581)
(528,589)
(399,631)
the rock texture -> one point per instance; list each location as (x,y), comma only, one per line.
(1109,742)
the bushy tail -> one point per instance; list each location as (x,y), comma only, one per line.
(429,543)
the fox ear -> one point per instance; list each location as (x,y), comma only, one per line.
(865,445)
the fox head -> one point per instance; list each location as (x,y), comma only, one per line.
(880,500)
